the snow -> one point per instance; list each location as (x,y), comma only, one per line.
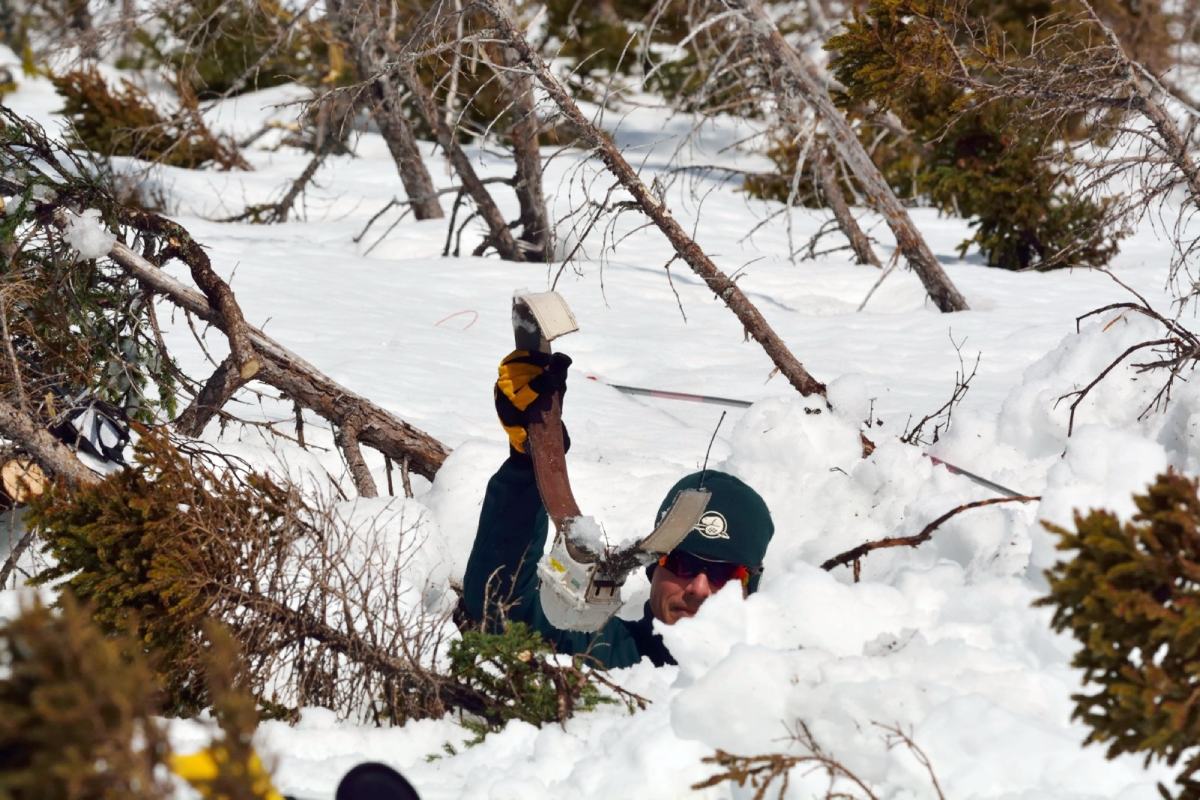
(86,233)
(941,640)
(587,533)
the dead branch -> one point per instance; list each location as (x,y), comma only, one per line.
(943,416)
(14,556)
(298,379)
(1179,357)
(763,770)
(405,479)
(396,202)
(686,247)
(280,211)
(853,555)
(179,244)
(499,235)
(897,736)
(827,178)
(216,392)
(347,440)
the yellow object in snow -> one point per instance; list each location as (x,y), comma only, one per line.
(201,769)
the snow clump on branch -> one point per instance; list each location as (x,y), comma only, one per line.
(86,234)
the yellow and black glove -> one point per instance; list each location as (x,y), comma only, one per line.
(525,377)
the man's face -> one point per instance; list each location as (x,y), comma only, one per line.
(673,597)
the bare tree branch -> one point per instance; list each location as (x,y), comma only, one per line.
(827,178)
(300,380)
(853,555)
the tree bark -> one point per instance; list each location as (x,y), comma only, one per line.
(799,81)
(535,224)
(216,392)
(361,32)
(220,296)
(499,236)
(298,379)
(50,454)
(347,440)
(827,178)
(402,144)
(687,249)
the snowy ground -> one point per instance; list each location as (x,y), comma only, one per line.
(941,640)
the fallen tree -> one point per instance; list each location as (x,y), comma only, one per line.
(37,167)
(298,379)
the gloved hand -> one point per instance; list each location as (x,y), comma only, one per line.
(525,377)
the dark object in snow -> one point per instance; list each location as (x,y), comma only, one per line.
(374,781)
(94,427)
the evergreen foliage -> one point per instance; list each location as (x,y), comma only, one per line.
(142,548)
(598,37)
(219,47)
(782,185)
(515,671)
(77,326)
(76,711)
(169,545)
(610,39)
(988,163)
(124,122)
(1130,595)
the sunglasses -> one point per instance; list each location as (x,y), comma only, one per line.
(719,573)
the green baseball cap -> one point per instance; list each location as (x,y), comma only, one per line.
(736,525)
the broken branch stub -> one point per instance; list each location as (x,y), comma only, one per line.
(220,297)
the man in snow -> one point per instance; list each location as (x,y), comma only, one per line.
(727,545)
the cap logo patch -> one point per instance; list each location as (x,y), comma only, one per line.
(712,526)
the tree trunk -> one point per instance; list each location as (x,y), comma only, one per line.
(402,144)
(361,33)
(499,236)
(799,81)
(687,249)
(216,392)
(827,178)
(535,225)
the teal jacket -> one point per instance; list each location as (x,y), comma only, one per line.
(503,568)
